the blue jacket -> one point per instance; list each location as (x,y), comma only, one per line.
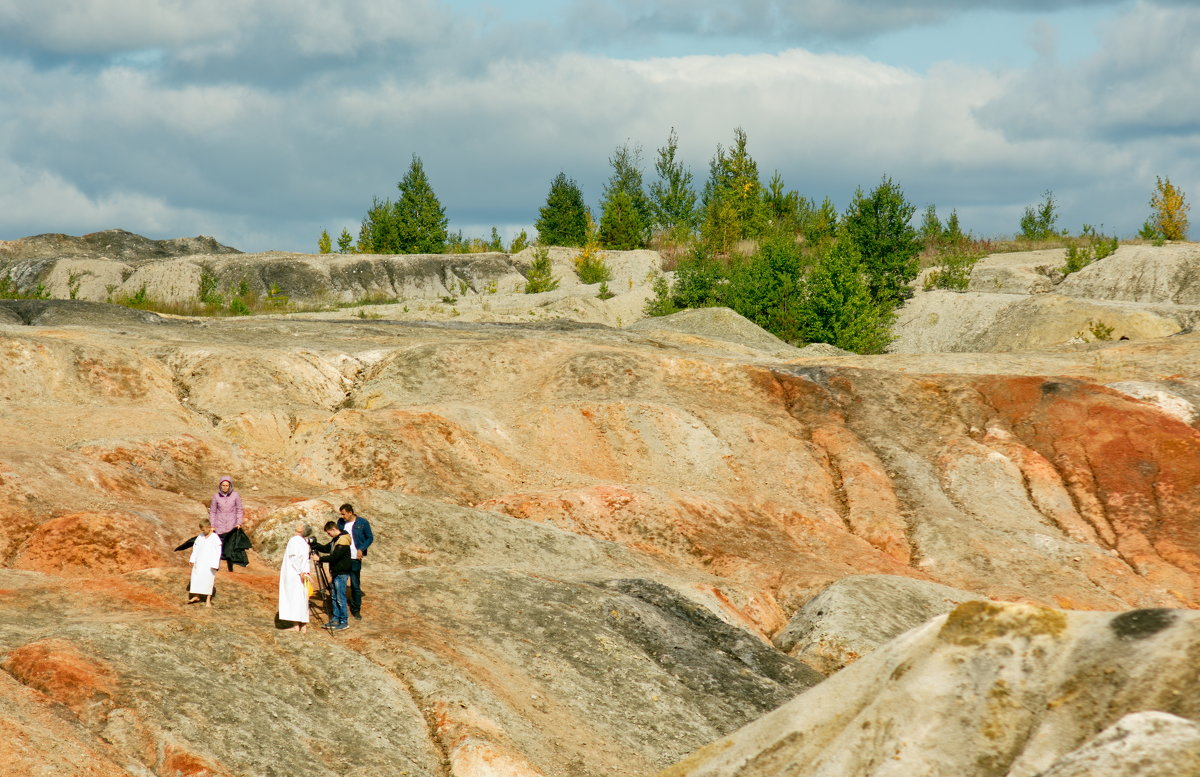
(361,533)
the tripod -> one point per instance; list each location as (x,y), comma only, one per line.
(322,592)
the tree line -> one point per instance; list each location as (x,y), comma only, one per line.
(796,267)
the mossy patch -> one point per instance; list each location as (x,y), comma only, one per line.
(1139,624)
(977,622)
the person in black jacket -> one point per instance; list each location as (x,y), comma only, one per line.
(337,553)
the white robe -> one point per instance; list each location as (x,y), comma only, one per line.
(206,558)
(293,598)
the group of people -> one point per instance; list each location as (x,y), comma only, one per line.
(221,538)
(349,538)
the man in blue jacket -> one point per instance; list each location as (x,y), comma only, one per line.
(361,538)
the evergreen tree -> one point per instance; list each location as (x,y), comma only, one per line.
(345,242)
(953,234)
(721,228)
(765,286)
(1039,223)
(621,226)
(931,227)
(878,227)
(324,243)
(420,219)
(495,243)
(733,179)
(563,220)
(630,217)
(837,305)
(377,234)
(672,201)
(541,272)
(821,223)
(519,243)
(786,211)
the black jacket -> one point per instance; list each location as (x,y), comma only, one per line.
(337,553)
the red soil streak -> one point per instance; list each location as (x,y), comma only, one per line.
(56,668)
(181,763)
(85,544)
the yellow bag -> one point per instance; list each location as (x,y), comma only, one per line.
(308,585)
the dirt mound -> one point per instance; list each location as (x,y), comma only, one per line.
(720,324)
(112,244)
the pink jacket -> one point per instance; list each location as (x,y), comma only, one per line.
(225,510)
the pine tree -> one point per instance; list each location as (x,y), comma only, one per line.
(324,243)
(377,234)
(672,200)
(541,272)
(786,211)
(837,305)
(821,223)
(419,216)
(1038,223)
(563,220)
(733,179)
(878,227)
(624,204)
(931,227)
(345,242)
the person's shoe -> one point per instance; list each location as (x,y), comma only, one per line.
(356,616)
(339,627)
(329,625)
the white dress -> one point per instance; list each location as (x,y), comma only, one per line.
(206,558)
(293,598)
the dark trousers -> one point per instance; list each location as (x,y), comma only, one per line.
(338,599)
(354,594)
(225,548)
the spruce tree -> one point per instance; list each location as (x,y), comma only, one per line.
(931,227)
(621,226)
(345,242)
(324,243)
(672,200)
(624,204)
(837,306)
(420,218)
(878,226)
(563,220)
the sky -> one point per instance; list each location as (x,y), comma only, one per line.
(262,122)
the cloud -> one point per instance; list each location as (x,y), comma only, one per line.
(1142,83)
(786,20)
(262,163)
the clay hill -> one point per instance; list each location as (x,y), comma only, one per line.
(676,546)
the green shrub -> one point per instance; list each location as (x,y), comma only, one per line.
(1038,223)
(953,271)
(541,272)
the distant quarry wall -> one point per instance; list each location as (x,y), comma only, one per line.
(1023,301)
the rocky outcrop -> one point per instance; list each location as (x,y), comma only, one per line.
(1024,301)
(990,690)
(857,614)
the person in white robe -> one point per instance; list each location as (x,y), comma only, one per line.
(205,559)
(296,566)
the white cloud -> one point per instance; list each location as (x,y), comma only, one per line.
(262,165)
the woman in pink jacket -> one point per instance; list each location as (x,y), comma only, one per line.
(225,514)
